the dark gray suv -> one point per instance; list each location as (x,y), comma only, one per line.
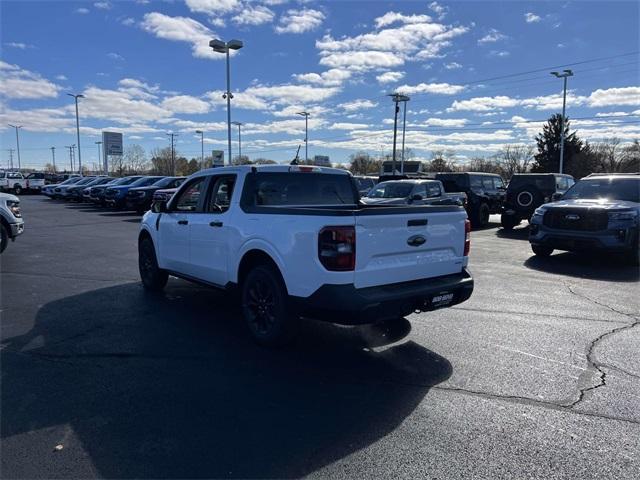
(600,212)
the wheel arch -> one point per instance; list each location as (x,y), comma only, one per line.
(252,258)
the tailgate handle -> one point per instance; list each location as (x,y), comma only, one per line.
(183,222)
(418,222)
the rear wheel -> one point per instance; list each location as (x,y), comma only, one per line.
(265,307)
(4,238)
(17,189)
(541,250)
(153,277)
(481,219)
(509,221)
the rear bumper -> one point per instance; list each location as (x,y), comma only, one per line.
(357,306)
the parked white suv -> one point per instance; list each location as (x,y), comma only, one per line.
(11,222)
(296,241)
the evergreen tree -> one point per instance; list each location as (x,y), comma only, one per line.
(548,157)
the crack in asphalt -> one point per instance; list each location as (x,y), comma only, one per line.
(592,361)
(537,314)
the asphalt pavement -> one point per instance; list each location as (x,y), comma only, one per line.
(536,376)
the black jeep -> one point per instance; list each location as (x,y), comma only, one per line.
(527,191)
(485,193)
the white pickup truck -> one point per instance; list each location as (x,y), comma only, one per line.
(13,182)
(297,241)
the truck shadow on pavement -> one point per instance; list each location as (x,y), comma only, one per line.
(518,233)
(170,385)
(590,265)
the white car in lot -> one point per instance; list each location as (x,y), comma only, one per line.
(13,182)
(296,241)
(11,222)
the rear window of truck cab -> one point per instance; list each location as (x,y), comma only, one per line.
(262,189)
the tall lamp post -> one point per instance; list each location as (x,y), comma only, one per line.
(76,97)
(201,132)
(239,125)
(173,153)
(99,154)
(404,128)
(397,98)
(17,127)
(564,75)
(224,47)
(53,156)
(306,134)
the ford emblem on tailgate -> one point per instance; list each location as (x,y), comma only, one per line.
(572,216)
(416,240)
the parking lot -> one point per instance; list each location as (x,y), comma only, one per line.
(537,375)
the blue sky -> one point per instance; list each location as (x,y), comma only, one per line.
(146,69)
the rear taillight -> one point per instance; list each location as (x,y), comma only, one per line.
(337,248)
(467,237)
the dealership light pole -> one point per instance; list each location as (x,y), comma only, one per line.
(173,153)
(306,134)
(76,97)
(239,125)
(17,127)
(100,155)
(224,47)
(564,75)
(404,127)
(53,157)
(397,98)
(70,147)
(202,145)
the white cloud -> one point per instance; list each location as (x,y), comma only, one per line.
(217,22)
(128,22)
(300,21)
(120,106)
(82,11)
(362,60)
(492,37)
(61,78)
(213,7)
(290,94)
(19,45)
(453,66)
(390,77)
(181,29)
(291,127)
(242,100)
(293,111)
(115,56)
(615,96)
(138,89)
(613,114)
(135,137)
(438,9)
(39,119)
(347,126)
(531,17)
(331,78)
(499,53)
(435,88)
(102,5)
(485,104)
(359,104)
(185,104)
(445,122)
(390,18)
(16,82)
(254,15)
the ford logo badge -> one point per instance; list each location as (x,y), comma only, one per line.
(572,216)
(416,240)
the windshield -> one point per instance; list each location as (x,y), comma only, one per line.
(163,182)
(71,180)
(85,180)
(144,181)
(627,189)
(391,190)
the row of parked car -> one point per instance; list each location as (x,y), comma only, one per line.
(136,192)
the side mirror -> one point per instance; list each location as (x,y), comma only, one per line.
(416,198)
(159,207)
(556,196)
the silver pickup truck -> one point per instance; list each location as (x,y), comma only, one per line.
(413,192)
(11,222)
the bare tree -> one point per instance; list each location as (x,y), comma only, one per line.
(361,163)
(161,161)
(135,159)
(515,159)
(441,161)
(484,164)
(612,156)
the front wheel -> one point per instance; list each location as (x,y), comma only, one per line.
(509,221)
(4,238)
(481,219)
(265,307)
(153,277)
(541,250)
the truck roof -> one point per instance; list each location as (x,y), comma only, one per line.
(271,168)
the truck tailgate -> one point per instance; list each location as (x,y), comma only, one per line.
(400,247)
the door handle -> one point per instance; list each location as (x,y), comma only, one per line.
(183,222)
(215,224)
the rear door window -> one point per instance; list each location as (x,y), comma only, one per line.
(487,183)
(420,189)
(433,190)
(221,193)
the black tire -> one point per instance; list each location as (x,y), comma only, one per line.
(17,189)
(528,198)
(153,277)
(481,218)
(4,238)
(541,250)
(265,307)
(509,221)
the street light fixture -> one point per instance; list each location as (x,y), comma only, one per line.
(239,125)
(397,98)
(202,145)
(564,75)
(17,142)
(221,47)
(306,134)
(76,97)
